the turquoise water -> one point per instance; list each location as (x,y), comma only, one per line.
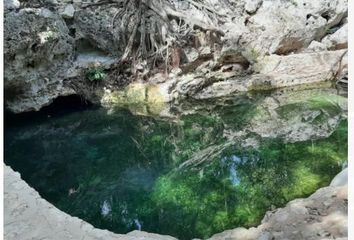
(187,175)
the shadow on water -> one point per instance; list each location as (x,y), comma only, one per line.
(122,172)
(59,107)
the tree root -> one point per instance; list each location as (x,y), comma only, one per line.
(153,30)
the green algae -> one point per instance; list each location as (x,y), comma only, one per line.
(124,169)
(268,177)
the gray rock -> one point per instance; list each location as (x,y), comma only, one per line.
(95,26)
(68,11)
(341,179)
(38,50)
(11,5)
(283,27)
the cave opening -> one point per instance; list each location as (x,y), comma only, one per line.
(60,106)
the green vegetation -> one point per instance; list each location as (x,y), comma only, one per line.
(95,74)
(210,199)
(131,163)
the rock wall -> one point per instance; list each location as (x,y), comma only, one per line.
(266,44)
(38,51)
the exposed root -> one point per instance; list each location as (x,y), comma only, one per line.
(154,31)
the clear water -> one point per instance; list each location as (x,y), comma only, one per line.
(185,176)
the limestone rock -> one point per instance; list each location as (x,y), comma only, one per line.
(68,11)
(94,26)
(25,210)
(317,46)
(301,68)
(279,71)
(252,5)
(341,179)
(38,51)
(41,49)
(11,5)
(337,40)
(282,27)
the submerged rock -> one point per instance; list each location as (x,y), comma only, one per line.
(322,215)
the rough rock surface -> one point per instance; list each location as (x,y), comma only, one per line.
(11,5)
(282,27)
(274,72)
(28,216)
(323,215)
(38,51)
(47,42)
(337,40)
(94,25)
(68,12)
(252,6)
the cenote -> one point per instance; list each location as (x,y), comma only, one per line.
(204,168)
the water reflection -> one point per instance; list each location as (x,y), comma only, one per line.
(198,170)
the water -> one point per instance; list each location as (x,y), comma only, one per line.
(219,166)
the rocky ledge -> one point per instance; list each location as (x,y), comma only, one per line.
(28,216)
(323,215)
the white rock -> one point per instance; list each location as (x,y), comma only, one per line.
(11,4)
(317,46)
(68,11)
(283,27)
(337,40)
(252,5)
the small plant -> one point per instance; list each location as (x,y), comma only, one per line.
(95,74)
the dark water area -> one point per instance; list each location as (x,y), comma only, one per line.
(188,176)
